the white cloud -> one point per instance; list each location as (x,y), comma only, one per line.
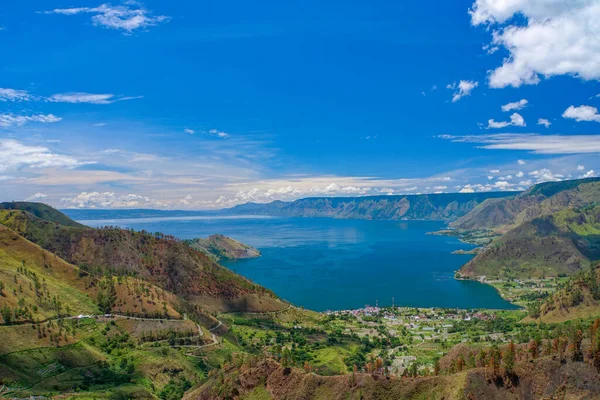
(580,168)
(110,200)
(190,131)
(462,89)
(221,134)
(494,171)
(545,175)
(91,98)
(7,120)
(539,144)
(559,38)
(519,174)
(36,197)
(128,17)
(589,174)
(14,95)
(517,105)
(515,120)
(545,122)
(15,155)
(521,162)
(582,113)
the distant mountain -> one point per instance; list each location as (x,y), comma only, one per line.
(223,247)
(564,242)
(546,198)
(447,206)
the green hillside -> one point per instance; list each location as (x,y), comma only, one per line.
(542,199)
(578,298)
(41,211)
(37,285)
(160,259)
(562,243)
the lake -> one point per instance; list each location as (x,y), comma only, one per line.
(332,264)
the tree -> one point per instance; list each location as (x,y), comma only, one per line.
(494,360)
(6,313)
(1,288)
(576,342)
(509,358)
(533,349)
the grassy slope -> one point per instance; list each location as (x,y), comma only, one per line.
(561,243)
(163,261)
(41,211)
(565,305)
(542,199)
(56,278)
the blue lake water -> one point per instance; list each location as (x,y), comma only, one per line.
(324,264)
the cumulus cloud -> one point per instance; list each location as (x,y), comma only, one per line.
(517,105)
(546,175)
(544,122)
(110,200)
(582,113)
(91,98)
(539,144)
(515,120)
(557,38)
(7,120)
(589,174)
(462,89)
(521,162)
(580,168)
(190,131)
(127,17)
(15,155)
(36,197)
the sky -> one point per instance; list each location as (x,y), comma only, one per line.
(209,104)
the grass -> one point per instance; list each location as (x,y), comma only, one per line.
(259,393)
(55,278)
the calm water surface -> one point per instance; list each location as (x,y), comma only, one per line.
(324,264)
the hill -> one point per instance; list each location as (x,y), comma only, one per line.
(579,298)
(542,378)
(41,211)
(410,207)
(36,284)
(223,247)
(161,260)
(561,243)
(501,214)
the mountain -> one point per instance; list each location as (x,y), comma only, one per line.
(161,260)
(562,243)
(410,207)
(501,214)
(41,211)
(223,247)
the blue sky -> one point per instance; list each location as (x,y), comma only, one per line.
(198,104)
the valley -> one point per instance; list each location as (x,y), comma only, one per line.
(112,312)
